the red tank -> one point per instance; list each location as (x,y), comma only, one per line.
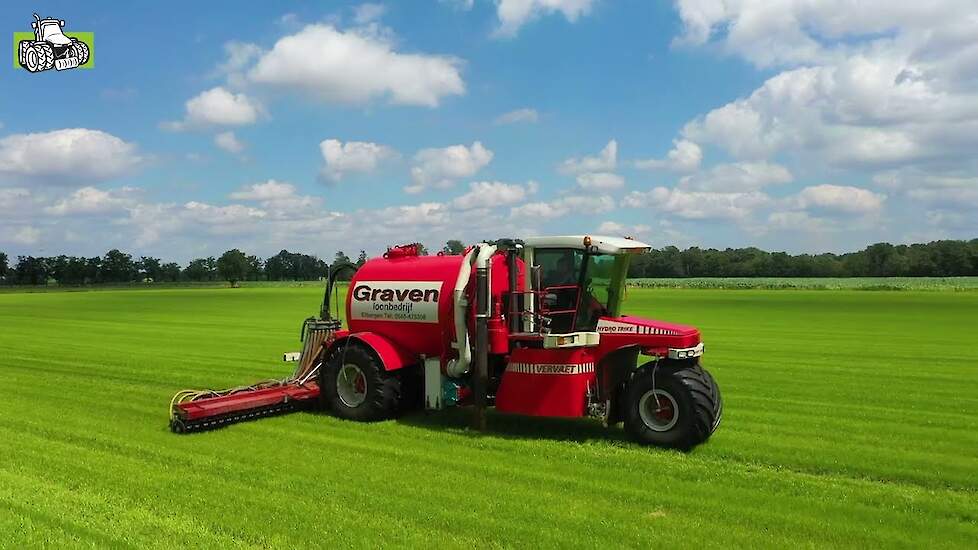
(408,299)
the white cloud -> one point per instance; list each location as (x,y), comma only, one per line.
(356,66)
(867,84)
(737,176)
(74,154)
(217,107)
(842,199)
(513,14)
(353,156)
(615,228)
(368,12)
(232,214)
(698,205)
(229,142)
(600,181)
(89,200)
(488,194)
(238,56)
(27,235)
(685,156)
(519,115)
(606,161)
(461,5)
(442,167)
(428,213)
(270,190)
(563,206)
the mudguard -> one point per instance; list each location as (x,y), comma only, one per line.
(390,355)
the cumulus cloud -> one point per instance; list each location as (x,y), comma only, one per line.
(866,85)
(428,213)
(217,107)
(605,161)
(563,206)
(685,156)
(353,156)
(488,194)
(265,191)
(67,156)
(737,176)
(698,205)
(89,200)
(442,167)
(229,142)
(513,14)
(356,66)
(600,181)
(525,114)
(842,199)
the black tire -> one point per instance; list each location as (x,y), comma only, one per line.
(46,56)
(688,408)
(382,389)
(80,50)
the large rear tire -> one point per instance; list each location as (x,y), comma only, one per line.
(673,405)
(80,50)
(355,386)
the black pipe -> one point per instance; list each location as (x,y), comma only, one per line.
(334,272)
(480,383)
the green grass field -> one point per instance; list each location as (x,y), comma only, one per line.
(851,419)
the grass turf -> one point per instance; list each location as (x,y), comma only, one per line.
(850,420)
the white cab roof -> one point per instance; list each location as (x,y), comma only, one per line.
(604,245)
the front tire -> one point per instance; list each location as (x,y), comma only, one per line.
(679,408)
(355,386)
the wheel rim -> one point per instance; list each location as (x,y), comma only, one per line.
(31,60)
(659,410)
(351,385)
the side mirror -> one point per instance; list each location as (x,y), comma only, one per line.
(62,22)
(33,25)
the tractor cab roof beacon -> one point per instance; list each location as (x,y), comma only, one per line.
(51,48)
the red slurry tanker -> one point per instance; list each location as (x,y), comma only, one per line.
(531,327)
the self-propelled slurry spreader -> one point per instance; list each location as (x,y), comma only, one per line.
(530,327)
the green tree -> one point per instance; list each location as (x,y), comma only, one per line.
(233,266)
(453,247)
(31,270)
(199,270)
(362,258)
(422,250)
(170,272)
(4,267)
(150,268)
(118,267)
(255,270)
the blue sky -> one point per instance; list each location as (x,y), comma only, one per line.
(318,126)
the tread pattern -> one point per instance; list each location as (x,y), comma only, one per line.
(81,51)
(45,54)
(384,389)
(697,395)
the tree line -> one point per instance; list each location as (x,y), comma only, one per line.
(935,259)
(119,267)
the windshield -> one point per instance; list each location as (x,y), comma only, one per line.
(603,286)
(50,29)
(579,288)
